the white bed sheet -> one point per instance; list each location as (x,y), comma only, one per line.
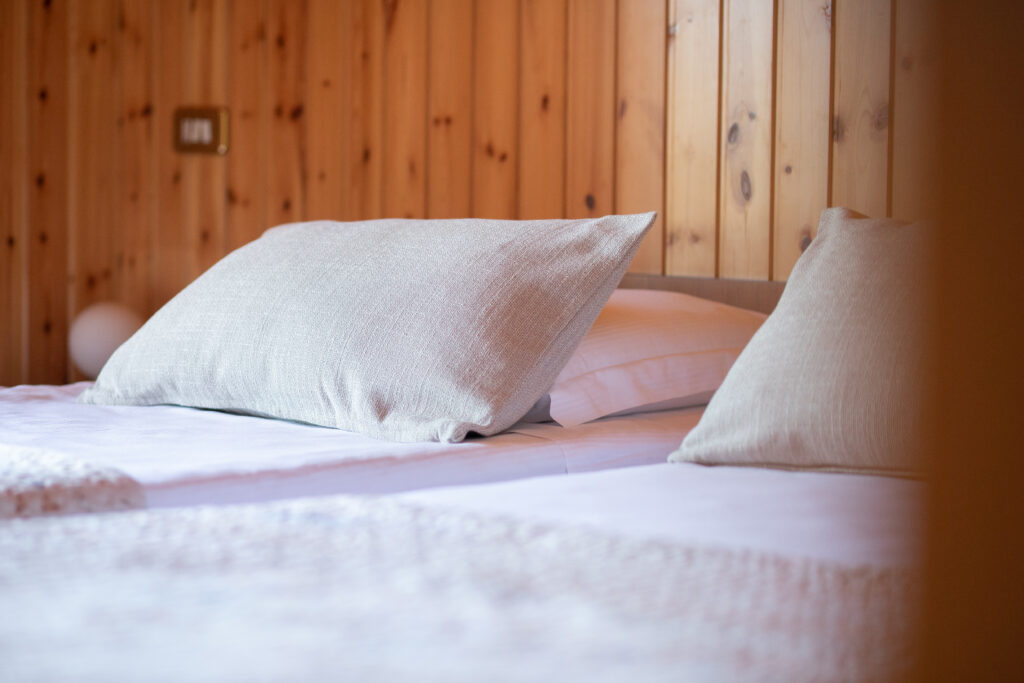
(843,518)
(183,456)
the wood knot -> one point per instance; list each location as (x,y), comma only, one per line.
(590,202)
(693,238)
(838,129)
(326,83)
(734,134)
(880,121)
(545,102)
(322,175)
(366,155)
(286,205)
(907,63)
(176,178)
(43,238)
(278,111)
(788,169)
(47,327)
(90,281)
(489,149)
(231,196)
(204,235)
(41,180)
(622,109)
(296,112)
(93,47)
(280,41)
(503,157)
(751,115)
(10,241)
(745,189)
(43,94)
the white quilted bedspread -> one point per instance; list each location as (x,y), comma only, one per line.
(36,481)
(365,589)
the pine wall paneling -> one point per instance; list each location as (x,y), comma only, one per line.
(737,121)
(542,108)
(13,194)
(803,115)
(691,197)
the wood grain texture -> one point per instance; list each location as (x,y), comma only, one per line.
(137,162)
(691,155)
(802,128)
(405,109)
(495,93)
(915,99)
(860,129)
(206,174)
(286,149)
(542,109)
(170,246)
(13,193)
(450,108)
(590,109)
(48,192)
(640,123)
(327,88)
(746,140)
(364,164)
(248,98)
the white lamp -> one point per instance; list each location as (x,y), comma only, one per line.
(97,332)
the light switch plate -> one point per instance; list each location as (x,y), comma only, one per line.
(202,130)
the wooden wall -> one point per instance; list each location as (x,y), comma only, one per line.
(737,120)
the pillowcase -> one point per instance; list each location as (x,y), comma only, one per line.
(831,381)
(409,330)
(648,350)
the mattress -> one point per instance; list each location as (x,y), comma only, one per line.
(847,519)
(183,456)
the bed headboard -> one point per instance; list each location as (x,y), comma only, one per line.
(756,295)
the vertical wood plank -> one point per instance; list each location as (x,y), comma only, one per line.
(405,108)
(286,147)
(248,98)
(170,248)
(542,109)
(745,218)
(94,172)
(691,194)
(915,94)
(363,170)
(640,131)
(590,110)
(802,130)
(136,154)
(327,58)
(48,192)
(450,108)
(13,193)
(206,85)
(495,96)
(860,129)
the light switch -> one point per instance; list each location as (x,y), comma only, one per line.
(201,129)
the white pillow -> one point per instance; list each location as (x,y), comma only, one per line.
(832,380)
(649,350)
(406,330)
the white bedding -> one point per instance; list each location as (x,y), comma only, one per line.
(842,518)
(183,456)
(378,589)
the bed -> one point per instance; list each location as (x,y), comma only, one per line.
(773,533)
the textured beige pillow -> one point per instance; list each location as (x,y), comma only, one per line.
(830,381)
(409,330)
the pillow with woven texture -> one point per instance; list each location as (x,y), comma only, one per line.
(831,381)
(407,330)
(648,351)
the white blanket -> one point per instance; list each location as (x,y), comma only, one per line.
(373,589)
(37,482)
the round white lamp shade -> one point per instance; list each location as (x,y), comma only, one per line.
(97,332)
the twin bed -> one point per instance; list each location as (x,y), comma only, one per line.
(290,551)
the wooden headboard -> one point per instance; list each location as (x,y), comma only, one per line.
(756,295)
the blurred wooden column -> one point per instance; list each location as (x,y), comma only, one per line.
(975,599)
